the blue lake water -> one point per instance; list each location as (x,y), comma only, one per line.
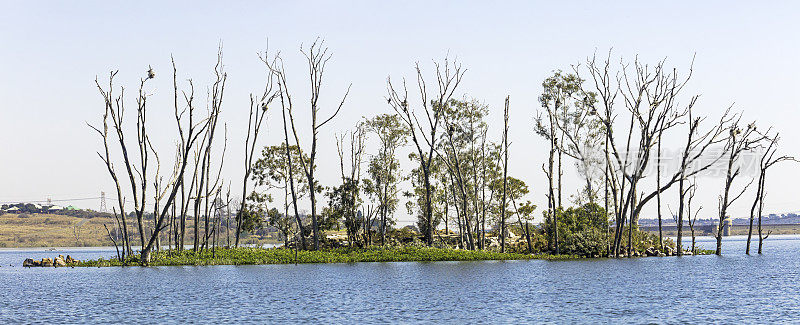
(734,288)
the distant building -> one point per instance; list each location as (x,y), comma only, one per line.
(726,226)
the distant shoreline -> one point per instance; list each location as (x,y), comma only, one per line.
(735,230)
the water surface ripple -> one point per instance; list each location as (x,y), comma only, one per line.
(734,288)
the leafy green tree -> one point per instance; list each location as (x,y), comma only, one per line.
(418,199)
(281,222)
(462,150)
(525,218)
(516,189)
(252,218)
(564,124)
(581,229)
(272,171)
(341,208)
(384,168)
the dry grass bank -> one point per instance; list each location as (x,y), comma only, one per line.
(51,230)
(43,230)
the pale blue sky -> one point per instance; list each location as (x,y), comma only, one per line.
(746,53)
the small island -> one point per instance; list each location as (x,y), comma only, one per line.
(402,245)
(343,205)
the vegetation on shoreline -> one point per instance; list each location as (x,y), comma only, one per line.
(260,256)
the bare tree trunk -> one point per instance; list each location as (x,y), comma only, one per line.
(605,196)
(681,196)
(761,235)
(505,181)
(768,159)
(256,118)
(658,196)
(551,201)
(184,205)
(759,188)
(739,141)
(291,179)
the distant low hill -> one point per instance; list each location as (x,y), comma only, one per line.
(56,230)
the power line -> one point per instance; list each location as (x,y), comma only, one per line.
(50,200)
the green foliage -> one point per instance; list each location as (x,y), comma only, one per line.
(257,256)
(273,169)
(538,241)
(568,106)
(277,170)
(416,196)
(586,243)
(642,240)
(581,230)
(587,217)
(403,233)
(250,219)
(342,203)
(281,222)
(586,220)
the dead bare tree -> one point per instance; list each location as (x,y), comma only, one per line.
(258,111)
(352,178)
(228,204)
(739,141)
(317,57)
(113,108)
(213,189)
(76,232)
(658,193)
(504,202)
(424,136)
(290,167)
(768,159)
(114,241)
(697,144)
(204,158)
(275,66)
(650,95)
(137,174)
(692,214)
